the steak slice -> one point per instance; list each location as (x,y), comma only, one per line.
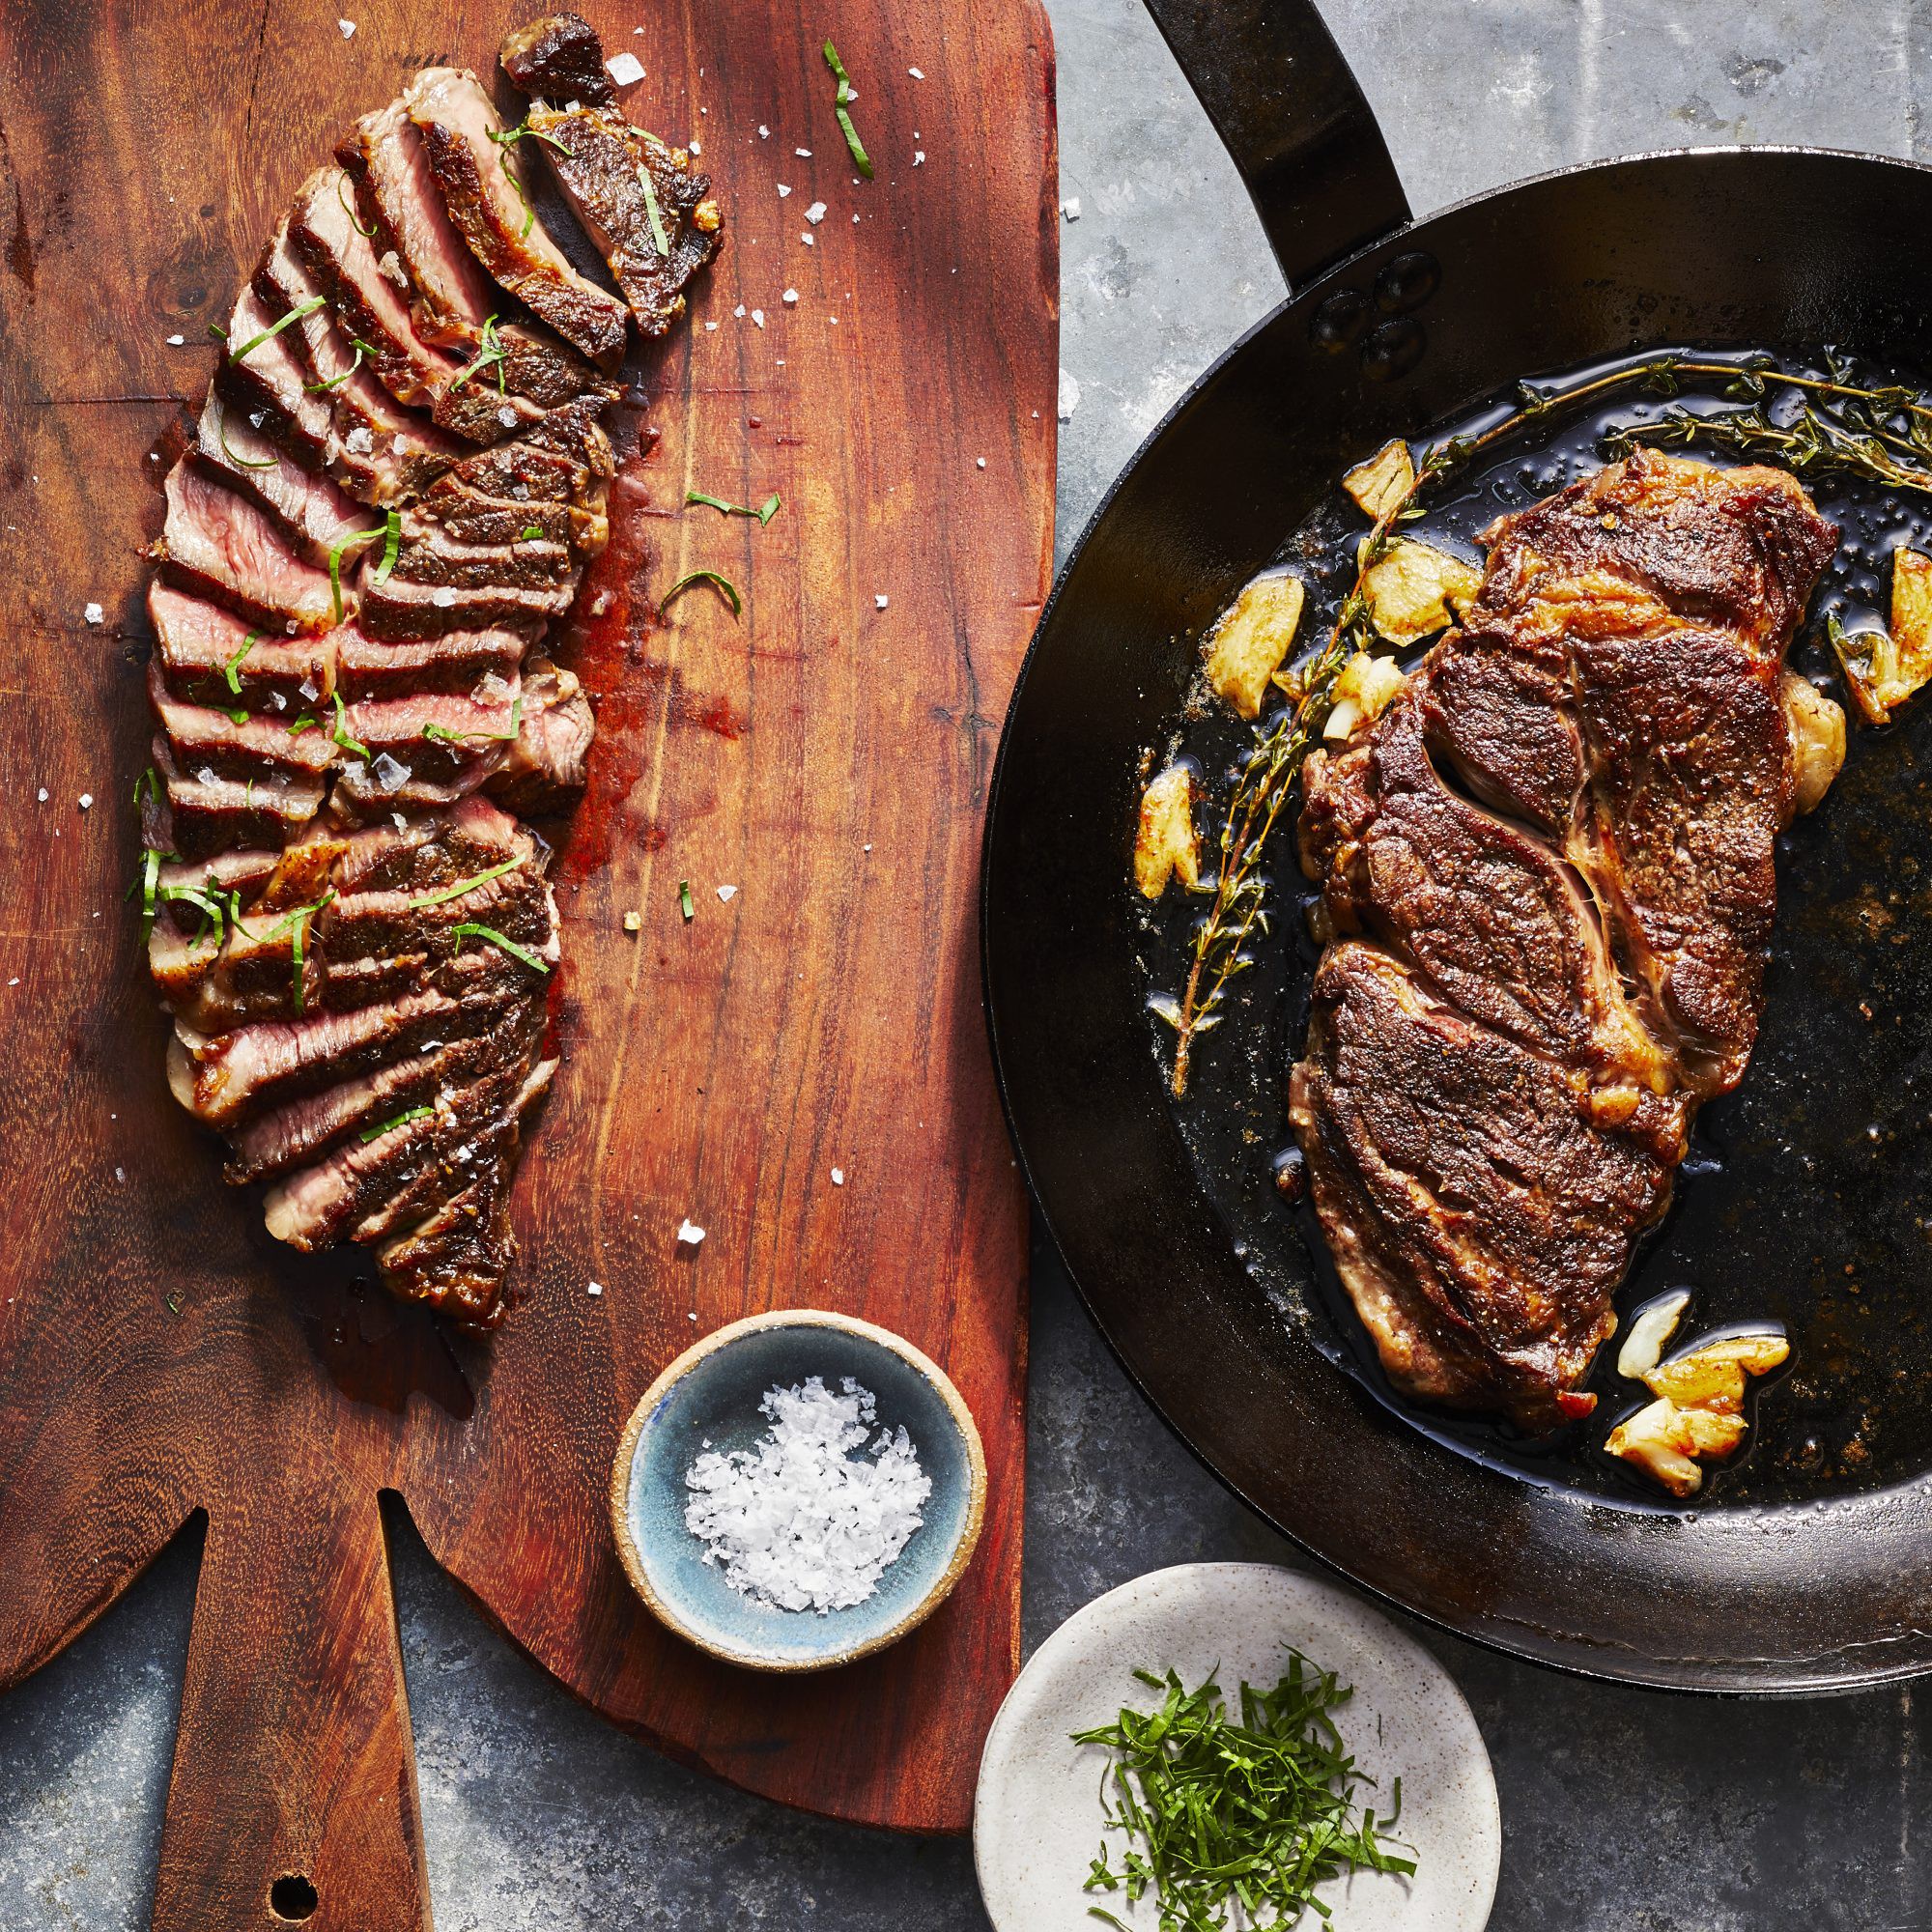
(1520,1014)
(456,661)
(547,766)
(403,608)
(311,508)
(379,451)
(264,380)
(197,813)
(222,545)
(492,212)
(652,218)
(452,300)
(457,1259)
(197,645)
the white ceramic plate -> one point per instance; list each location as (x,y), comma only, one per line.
(1037,1817)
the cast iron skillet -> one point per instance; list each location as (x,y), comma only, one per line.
(1811,1566)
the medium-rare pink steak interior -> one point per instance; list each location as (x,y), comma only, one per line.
(1547,873)
(399,477)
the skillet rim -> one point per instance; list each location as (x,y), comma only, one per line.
(1794,1683)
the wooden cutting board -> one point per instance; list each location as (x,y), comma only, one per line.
(828,755)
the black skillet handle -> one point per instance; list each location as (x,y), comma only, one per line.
(1301,132)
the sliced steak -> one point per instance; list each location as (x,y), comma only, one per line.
(210,656)
(403,608)
(356,943)
(198,812)
(224,546)
(315,1207)
(1521,1013)
(235,743)
(456,661)
(312,509)
(296,1133)
(264,380)
(457,1259)
(493,212)
(450,298)
(652,218)
(547,766)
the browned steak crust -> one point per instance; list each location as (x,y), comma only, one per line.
(1499,1085)
(651,217)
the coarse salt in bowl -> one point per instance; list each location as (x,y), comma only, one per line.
(915,1485)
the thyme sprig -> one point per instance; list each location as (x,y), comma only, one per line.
(1882,432)
(1262,788)
(1227,1821)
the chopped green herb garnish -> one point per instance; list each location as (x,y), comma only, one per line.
(490,355)
(173,1302)
(765,513)
(726,589)
(298,992)
(229,670)
(390,1127)
(150,878)
(1226,1820)
(392,543)
(147,784)
(497,939)
(336,381)
(352,541)
(239,716)
(507,138)
(463,886)
(341,732)
(349,206)
(860,159)
(240,462)
(658,234)
(684,904)
(303,723)
(531,532)
(441,734)
(295,313)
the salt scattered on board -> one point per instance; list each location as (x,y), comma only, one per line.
(798,1521)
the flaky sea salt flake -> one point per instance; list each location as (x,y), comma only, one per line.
(809,1517)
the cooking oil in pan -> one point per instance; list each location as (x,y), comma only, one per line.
(1806,1202)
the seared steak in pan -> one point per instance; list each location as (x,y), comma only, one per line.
(397,482)
(1547,871)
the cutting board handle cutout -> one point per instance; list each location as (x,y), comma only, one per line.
(293,1799)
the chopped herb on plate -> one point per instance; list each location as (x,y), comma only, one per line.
(1229,1819)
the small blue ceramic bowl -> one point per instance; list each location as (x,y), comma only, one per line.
(711,1394)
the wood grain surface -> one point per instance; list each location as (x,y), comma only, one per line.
(828,757)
